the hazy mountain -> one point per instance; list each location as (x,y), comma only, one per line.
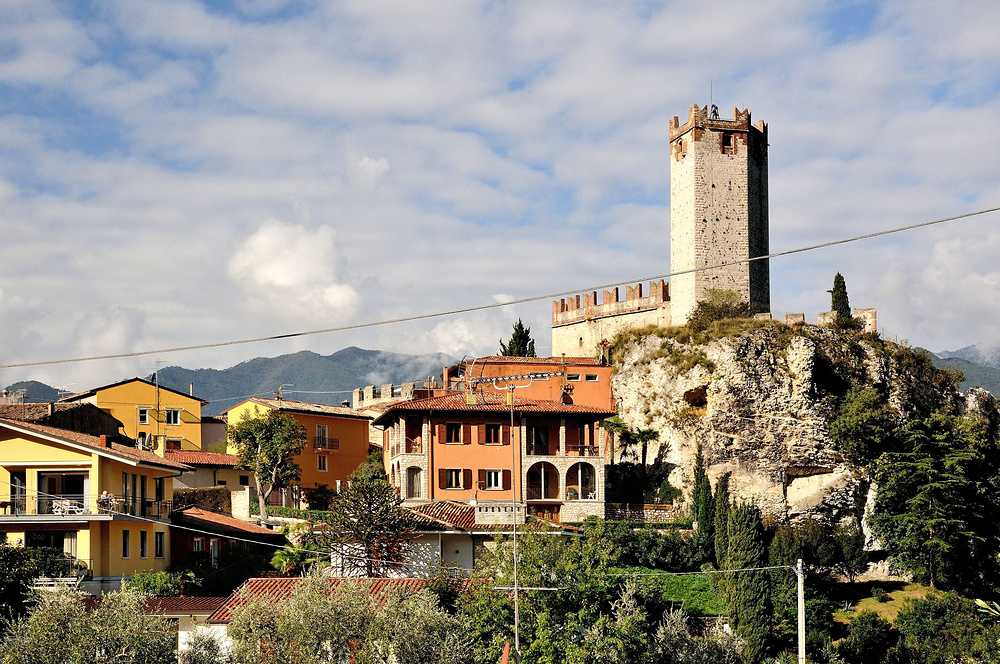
(34,392)
(984,354)
(307,376)
(975,372)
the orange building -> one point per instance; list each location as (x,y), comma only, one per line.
(338,442)
(583,381)
(463,447)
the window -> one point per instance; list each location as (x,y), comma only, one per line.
(159,544)
(591,378)
(198,544)
(322,438)
(125,544)
(492,432)
(321,463)
(244,480)
(221,482)
(453,432)
(173,416)
(140,439)
(727,144)
(573,378)
(143,544)
(158,489)
(493,479)
(538,440)
(173,444)
(143,416)
(454,479)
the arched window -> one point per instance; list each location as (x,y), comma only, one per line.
(543,482)
(581,482)
(413,482)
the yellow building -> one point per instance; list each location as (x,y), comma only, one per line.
(51,482)
(156,417)
(338,443)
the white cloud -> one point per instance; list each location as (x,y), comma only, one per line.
(289,270)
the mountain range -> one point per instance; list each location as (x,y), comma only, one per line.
(306,376)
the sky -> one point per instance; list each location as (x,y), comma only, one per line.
(179,172)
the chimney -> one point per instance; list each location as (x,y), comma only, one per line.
(444,377)
(105,442)
(52,409)
(345,404)
(191,389)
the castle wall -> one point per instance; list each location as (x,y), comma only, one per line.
(580,323)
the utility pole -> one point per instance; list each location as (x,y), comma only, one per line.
(509,386)
(800,574)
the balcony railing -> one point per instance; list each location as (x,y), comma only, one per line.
(581,450)
(536,493)
(83,505)
(326,443)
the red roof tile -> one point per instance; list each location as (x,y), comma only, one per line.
(288,406)
(277,590)
(502,359)
(447,513)
(486,402)
(199,458)
(197,516)
(199,605)
(115,449)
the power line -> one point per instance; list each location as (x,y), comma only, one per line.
(496,305)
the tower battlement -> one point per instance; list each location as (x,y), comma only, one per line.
(583,307)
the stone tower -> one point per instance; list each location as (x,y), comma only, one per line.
(718,208)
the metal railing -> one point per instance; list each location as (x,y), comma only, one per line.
(325,443)
(77,504)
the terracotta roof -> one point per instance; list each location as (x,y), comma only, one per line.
(92,391)
(492,402)
(116,449)
(199,458)
(201,605)
(444,514)
(502,359)
(277,590)
(287,405)
(33,412)
(193,515)
(456,515)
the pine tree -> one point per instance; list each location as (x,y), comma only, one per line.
(704,504)
(838,299)
(747,595)
(520,343)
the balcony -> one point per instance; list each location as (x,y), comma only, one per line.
(70,505)
(582,450)
(326,443)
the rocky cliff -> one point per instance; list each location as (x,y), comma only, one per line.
(759,397)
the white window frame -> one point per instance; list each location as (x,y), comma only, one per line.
(449,427)
(454,473)
(591,378)
(172,417)
(143,416)
(321,464)
(494,479)
(159,544)
(573,378)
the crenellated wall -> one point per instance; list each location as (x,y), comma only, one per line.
(580,323)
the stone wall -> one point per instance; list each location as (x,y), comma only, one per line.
(642,513)
(581,323)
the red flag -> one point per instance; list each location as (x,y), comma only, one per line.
(506,653)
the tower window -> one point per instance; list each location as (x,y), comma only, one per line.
(727,144)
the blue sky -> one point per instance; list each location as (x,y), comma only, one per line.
(180,172)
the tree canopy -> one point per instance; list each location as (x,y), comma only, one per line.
(366,528)
(267,444)
(520,343)
(838,299)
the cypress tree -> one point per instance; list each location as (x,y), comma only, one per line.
(838,299)
(747,595)
(520,343)
(704,505)
(722,520)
